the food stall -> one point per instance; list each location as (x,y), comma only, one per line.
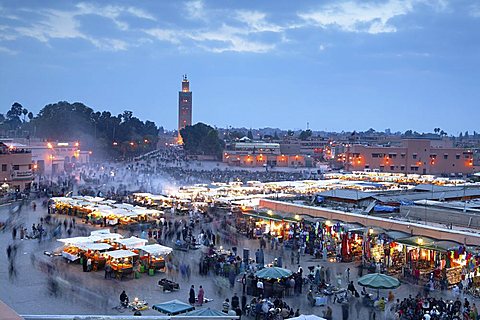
(153,256)
(72,250)
(95,252)
(121,262)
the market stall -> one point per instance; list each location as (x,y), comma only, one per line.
(95,252)
(130,243)
(71,250)
(153,256)
(121,262)
(434,260)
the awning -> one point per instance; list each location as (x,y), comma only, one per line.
(94,246)
(395,235)
(78,240)
(421,242)
(266,216)
(132,242)
(118,254)
(156,249)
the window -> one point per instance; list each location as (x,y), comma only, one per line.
(445,156)
(413,168)
(392,168)
(377,155)
(392,155)
(30,166)
(457,156)
(433,156)
(414,156)
(403,155)
(367,166)
(466,156)
(4,167)
(402,168)
(16,167)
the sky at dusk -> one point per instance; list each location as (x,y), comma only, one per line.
(338,65)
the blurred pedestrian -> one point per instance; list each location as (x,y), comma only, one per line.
(191,298)
(201,295)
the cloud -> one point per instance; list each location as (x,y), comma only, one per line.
(7,51)
(196,10)
(235,35)
(369,17)
(229,38)
(475,11)
(225,38)
(256,21)
(64,24)
(172,36)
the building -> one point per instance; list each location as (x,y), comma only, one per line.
(420,156)
(16,167)
(184,107)
(54,158)
(311,147)
(259,153)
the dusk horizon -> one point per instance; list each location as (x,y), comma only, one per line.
(338,66)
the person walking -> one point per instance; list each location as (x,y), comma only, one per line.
(345,311)
(191,298)
(235,301)
(108,271)
(201,295)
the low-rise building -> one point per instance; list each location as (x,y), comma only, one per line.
(257,154)
(412,156)
(16,167)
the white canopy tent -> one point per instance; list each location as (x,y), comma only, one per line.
(119,254)
(94,246)
(156,249)
(132,242)
(79,240)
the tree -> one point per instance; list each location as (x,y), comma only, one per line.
(13,116)
(30,116)
(275,137)
(108,135)
(304,135)
(24,112)
(250,134)
(290,133)
(202,139)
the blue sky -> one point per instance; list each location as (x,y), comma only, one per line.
(338,65)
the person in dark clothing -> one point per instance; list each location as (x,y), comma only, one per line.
(124,299)
(244,303)
(235,302)
(84,263)
(351,288)
(191,298)
(345,311)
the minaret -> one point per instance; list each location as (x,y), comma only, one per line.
(184,107)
